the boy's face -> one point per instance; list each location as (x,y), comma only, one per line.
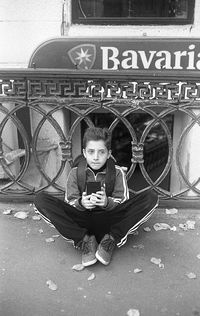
(96,153)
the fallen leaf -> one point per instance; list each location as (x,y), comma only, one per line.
(78,267)
(133,312)
(187,225)
(55,236)
(41,231)
(91,277)
(147,229)
(52,286)
(190,224)
(156,260)
(161,265)
(21,215)
(137,270)
(171,211)
(140,246)
(198,256)
(161,226)
(36,217)
(50,239)
(191,275)
(183,226)
(7,212)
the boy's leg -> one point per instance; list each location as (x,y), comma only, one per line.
(127,217)
(71,223)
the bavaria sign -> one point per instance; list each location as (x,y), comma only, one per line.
(154,54)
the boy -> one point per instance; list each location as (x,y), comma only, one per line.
(96,222)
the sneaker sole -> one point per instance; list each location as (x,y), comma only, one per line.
(89,263)
(101,259)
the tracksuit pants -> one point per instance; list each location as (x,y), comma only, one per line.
(73,224)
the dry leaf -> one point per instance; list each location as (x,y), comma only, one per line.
(171,211)
(55,236)
(187,225)
(91,277)
(147,229)
(133,312)
(140,246)
(50,239)
(191,275)
(198,256)
(41,231)
(36,217)
(7,212)
(161,265)
(156,260)
(78,267)
(52,286)
(161,226)
(21,215)
(137,270)
(190,224)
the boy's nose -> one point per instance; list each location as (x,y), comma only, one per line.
(96,155)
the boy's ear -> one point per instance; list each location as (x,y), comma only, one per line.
(84,153)
(109,153)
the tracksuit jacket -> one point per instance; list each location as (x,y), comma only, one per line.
(119,195)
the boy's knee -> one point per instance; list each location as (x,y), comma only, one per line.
(41,196)
(152,195)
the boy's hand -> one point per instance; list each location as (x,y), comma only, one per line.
(86,202)
(99,198)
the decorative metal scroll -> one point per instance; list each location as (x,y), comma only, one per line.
(100,89)
(36,150)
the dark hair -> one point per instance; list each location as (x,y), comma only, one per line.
(97,133)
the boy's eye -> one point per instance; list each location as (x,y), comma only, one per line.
(102,152)
(90,151)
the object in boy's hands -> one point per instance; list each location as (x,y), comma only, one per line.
(93,187)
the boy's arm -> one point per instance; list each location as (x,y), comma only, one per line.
(120,192)
(72,193)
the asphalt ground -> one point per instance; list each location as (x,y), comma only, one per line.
(157,272)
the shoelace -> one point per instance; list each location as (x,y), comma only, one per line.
(108,244)
(86,246)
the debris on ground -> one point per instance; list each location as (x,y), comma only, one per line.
(191,275)
(133,312)
(139,246)
(136,270)
(78,267)
(188,225)
(36,217)
(147,229)
(21,215)
(171,211)
(163,226)
(50,239)
(7,212)
(55,236)
(158,262)
(52,286)
(91,277)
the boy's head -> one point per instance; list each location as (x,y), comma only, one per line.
(96,146)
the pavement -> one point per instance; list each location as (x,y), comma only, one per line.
(156,273)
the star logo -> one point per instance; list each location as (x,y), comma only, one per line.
(83,56)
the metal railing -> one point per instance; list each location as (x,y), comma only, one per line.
(41,111)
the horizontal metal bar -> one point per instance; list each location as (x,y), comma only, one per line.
(12,73)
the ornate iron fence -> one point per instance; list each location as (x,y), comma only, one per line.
(41,111)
